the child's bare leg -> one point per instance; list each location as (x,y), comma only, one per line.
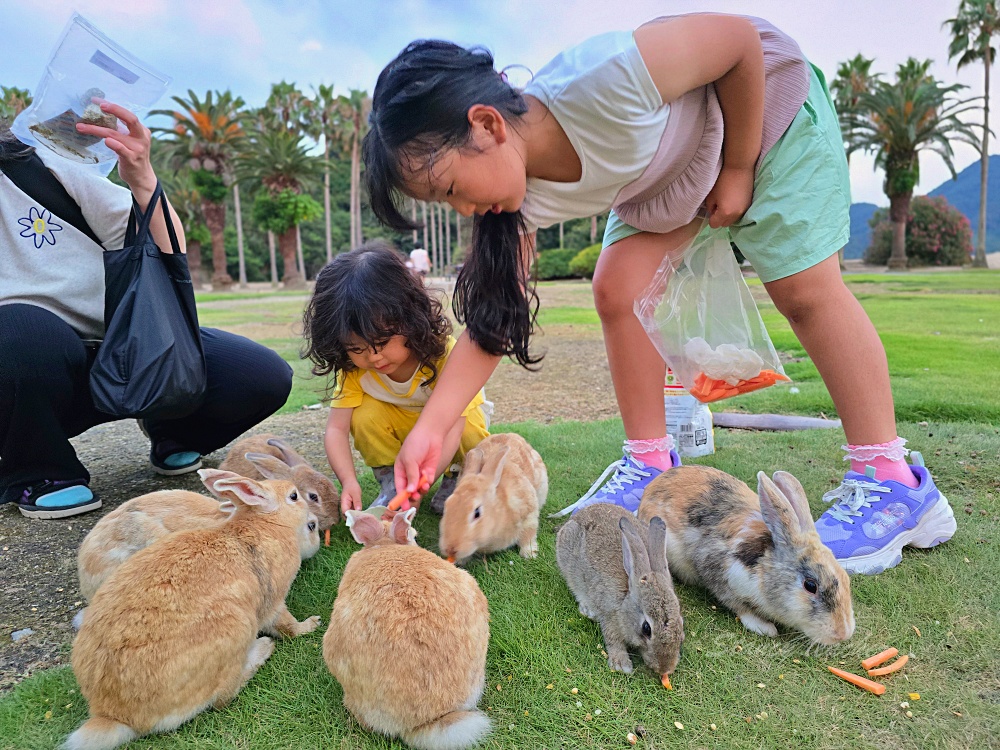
(843,344)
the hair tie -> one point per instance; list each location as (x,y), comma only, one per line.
(503,76)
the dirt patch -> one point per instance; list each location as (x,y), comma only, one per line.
(38,575)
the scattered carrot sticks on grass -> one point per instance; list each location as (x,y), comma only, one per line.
(862,682)
(880,658)
(326,537)
(894,667)
(665,681)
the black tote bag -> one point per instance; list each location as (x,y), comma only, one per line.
(151,363)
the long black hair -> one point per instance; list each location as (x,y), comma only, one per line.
(371,294)
(420,108)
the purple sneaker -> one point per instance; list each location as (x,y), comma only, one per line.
(870,522)
(630,479)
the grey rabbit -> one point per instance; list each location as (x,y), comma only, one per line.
(616,567)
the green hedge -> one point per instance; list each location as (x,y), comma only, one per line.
(585,261)
(554,264)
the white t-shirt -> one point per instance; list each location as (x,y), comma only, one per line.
(46,261)
(604,98)
(420,259)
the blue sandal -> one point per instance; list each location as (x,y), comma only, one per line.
(57,499)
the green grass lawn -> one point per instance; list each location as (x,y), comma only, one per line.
(942,606)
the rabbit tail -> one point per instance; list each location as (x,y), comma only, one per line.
(100,733)
(453,731)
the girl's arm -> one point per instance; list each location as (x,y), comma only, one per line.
(686,52)
(337,442)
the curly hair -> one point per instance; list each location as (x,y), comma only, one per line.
(369,293)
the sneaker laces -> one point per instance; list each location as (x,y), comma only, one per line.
(850,497)
(625,470)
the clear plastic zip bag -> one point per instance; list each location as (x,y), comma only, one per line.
(86,67)
(701,317)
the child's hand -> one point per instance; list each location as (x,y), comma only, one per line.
(350,497)
(418,457)
(730,197)
(132,147)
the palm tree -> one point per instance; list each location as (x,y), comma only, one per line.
(277,160)
(354,110)
(321,121)
(853,78)
(972,31)
(206,135)
(184,197)
(897,121)
(13,101)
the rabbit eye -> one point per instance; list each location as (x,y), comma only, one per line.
(647,631)
(294,496)
(478,512)
(311,526)
(313,497)
(810,585)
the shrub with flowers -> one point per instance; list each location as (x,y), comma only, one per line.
(937,234)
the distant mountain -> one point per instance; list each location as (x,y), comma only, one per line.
(962,193)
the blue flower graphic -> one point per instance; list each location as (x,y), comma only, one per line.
(40,226)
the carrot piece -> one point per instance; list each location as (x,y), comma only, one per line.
(862,682)
(665,681)
(327,537)
(451,559)
(880,658)
(894,667)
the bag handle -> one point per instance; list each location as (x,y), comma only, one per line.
(137,235)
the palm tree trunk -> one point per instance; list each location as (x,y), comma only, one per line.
(560,235)
(980,260)
(326,199)
(298,252)
(194,263)
(215,220)
(292,279)
(413,217)
(239,236)
(458,233)
(274,259)
(899,209)
(593,229)
(434,237)
(356,184)
(423,214)
(447,236)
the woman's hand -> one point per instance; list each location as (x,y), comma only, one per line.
(730,197)
(132,148)
(350,497)
(418,457)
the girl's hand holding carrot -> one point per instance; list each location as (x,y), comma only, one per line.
(350,497)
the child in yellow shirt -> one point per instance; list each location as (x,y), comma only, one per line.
(374,327)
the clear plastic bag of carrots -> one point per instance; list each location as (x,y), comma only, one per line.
(701,316)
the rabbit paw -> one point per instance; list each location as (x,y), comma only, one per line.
(588,613)
(757,625)
(619,661)
(308,625)
(529,550)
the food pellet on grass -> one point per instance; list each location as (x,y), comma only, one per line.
(549,686)
(632,739)
(712,727)
(914,696)
(678,725)
(909,714)
(579,704)
(574,691)
(597,712)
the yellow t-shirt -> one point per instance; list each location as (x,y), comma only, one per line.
(411,394)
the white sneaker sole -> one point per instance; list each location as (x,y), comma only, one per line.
(49,513)
(937,526)
(177,472)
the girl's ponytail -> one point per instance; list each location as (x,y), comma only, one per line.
(494,296)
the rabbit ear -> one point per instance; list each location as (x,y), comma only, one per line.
(634,556)
(364,527)
(791,488)
(473,462)
(243,491)
(657,546)
(497,469)
(778,515)
(401,529)
(269,466)
(209,477)
(289,456)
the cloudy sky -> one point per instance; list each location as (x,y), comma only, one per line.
(245,45)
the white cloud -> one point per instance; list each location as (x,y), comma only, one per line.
(311,45)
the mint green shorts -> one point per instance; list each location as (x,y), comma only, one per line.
(800,213)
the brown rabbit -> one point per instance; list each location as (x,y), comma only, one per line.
(139,522)
(317,489)
(758,553)
(174,630)
(495,505)
(407,639)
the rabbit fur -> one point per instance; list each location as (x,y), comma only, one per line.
(616,567)
(317,488)
(496,502)
(407,639)
(174,630)
(757,553)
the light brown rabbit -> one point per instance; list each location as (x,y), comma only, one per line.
(174,630)
(616,567)
(758,553)
(315,487)
(139,522)
(495,505)
(407,639)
